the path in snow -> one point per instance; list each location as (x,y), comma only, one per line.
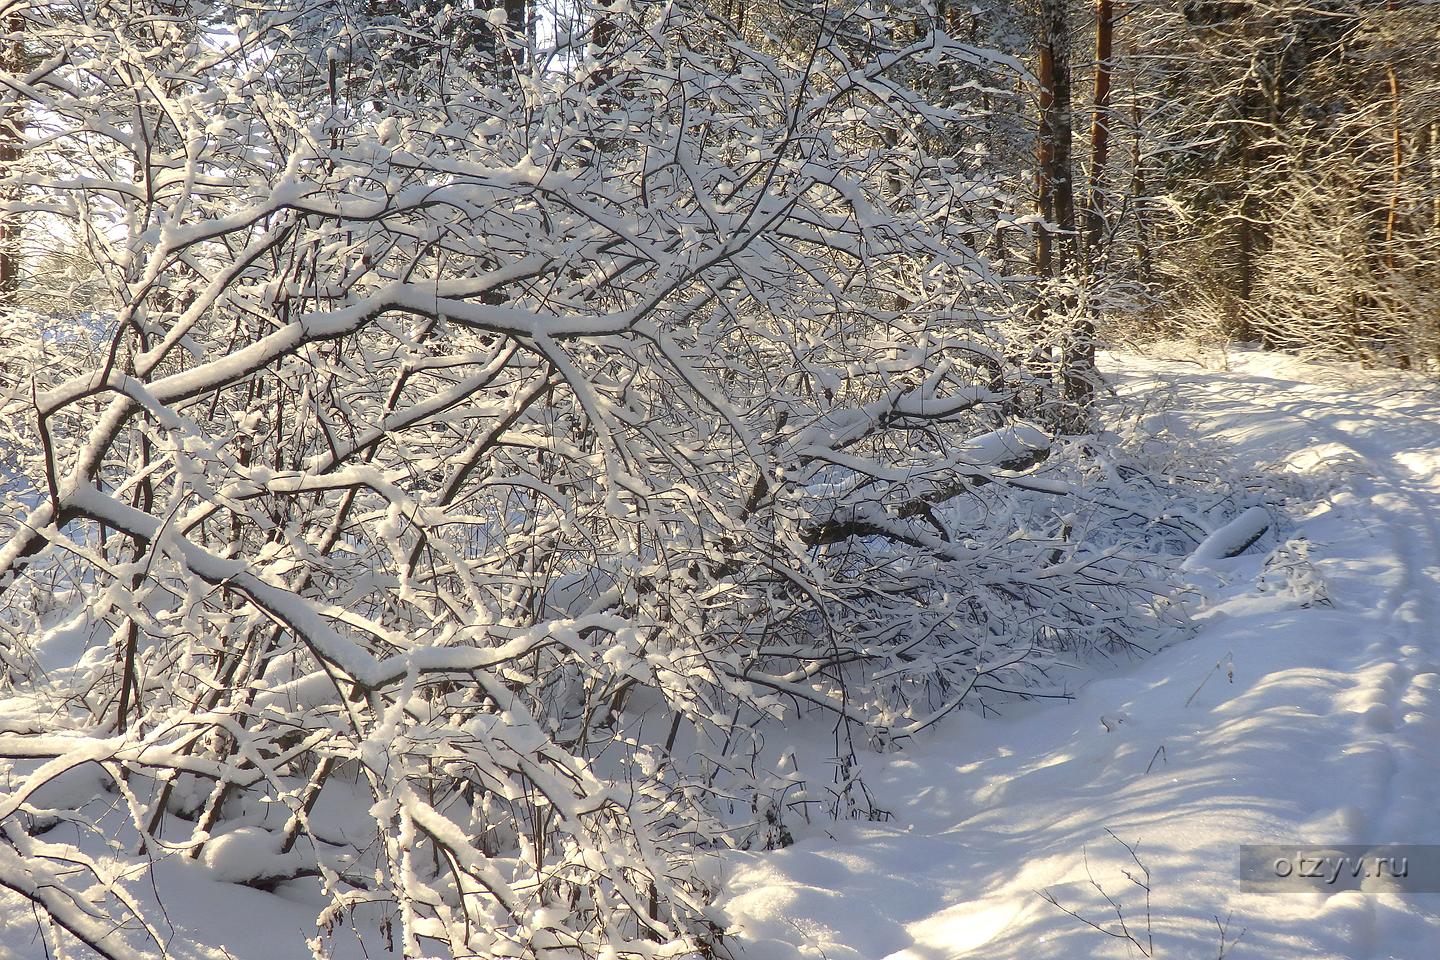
(1328,733)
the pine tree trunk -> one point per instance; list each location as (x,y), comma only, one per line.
(1058,256)
(1044,167)
(1055,255)
(1099,127)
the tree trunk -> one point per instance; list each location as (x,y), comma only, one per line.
(1392,215)
(1055,256)
(11,133)
(1099,128)
(1143,260)
(1240,326)
(1044,167)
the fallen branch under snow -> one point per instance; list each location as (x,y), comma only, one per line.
(1233,539)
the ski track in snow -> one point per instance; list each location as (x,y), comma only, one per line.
(1328,733)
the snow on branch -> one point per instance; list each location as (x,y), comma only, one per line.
(491,445)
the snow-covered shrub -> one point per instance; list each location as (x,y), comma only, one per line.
(486,448)
(1290,573)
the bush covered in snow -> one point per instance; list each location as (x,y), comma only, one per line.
(489,455)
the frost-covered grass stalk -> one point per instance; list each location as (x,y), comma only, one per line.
(496,438)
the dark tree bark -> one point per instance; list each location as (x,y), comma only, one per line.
(1055,255)
(1099,126)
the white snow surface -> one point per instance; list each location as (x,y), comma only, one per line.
(1305,709)
(1329,731)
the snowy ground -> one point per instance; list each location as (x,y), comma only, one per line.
(1329,732)
(1320,724)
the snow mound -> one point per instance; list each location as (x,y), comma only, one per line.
(251,855)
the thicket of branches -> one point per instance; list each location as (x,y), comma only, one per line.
(495,434)
(1282,184)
